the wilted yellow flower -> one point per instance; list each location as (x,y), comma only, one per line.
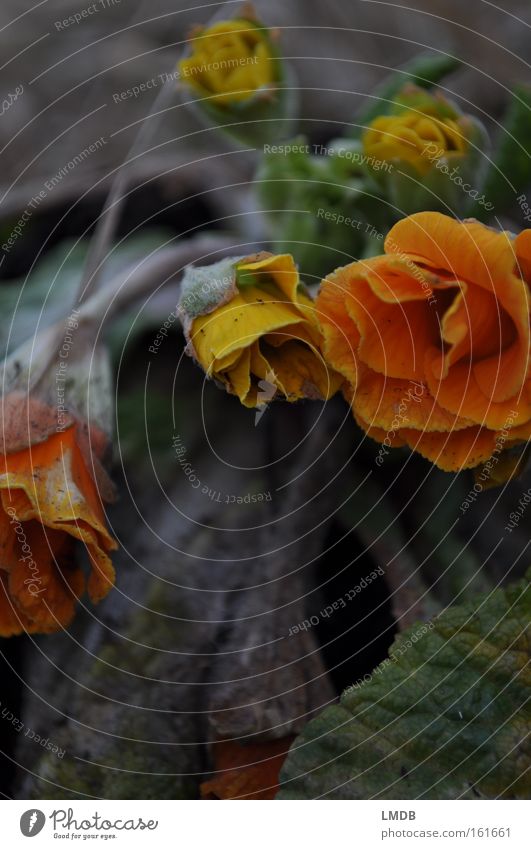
(231,60)
(251,326)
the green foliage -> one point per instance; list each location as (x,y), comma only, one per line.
(323,208)
(319,208)
(43,297)
(510,173)
(445,717)
(49,292)
(142,425)
(425,71)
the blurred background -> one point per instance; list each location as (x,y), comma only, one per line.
(76,79)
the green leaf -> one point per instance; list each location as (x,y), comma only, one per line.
(425,71)
(317,207)
(44,297)
(510,172)
(445,717)
(50,290)
(142,426)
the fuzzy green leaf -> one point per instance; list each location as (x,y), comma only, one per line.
(445,717)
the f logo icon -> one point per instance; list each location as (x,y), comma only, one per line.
(32,822)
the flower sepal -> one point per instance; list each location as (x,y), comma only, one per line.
(319,203)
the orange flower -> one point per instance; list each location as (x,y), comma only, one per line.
(49,499)
(247,771)
(433,339)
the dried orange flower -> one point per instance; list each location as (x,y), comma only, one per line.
(49,499)
(433,339)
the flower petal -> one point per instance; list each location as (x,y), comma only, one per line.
(300,372)
(340,334)
(393,335)
(40,578)
(476,254)
(455,450)
(239,323)
(468,250)
(50,483)
(239,376)
(281,268)
(391,404)
(522,247)
(460,394)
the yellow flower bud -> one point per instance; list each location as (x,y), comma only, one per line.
(230,61)
(415,138)
(425,154)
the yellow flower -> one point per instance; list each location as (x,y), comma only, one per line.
(231,61)
(414,137)
(425,154)
(258,335)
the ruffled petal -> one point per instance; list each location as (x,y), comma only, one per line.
(455,450)
(393,334)
(40,580)
(391,404)
(522,247)
(280,268)
(468,250)
(49,483)
(340,335)
(300,372)
(460,394)
(237,324)
(239,376)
